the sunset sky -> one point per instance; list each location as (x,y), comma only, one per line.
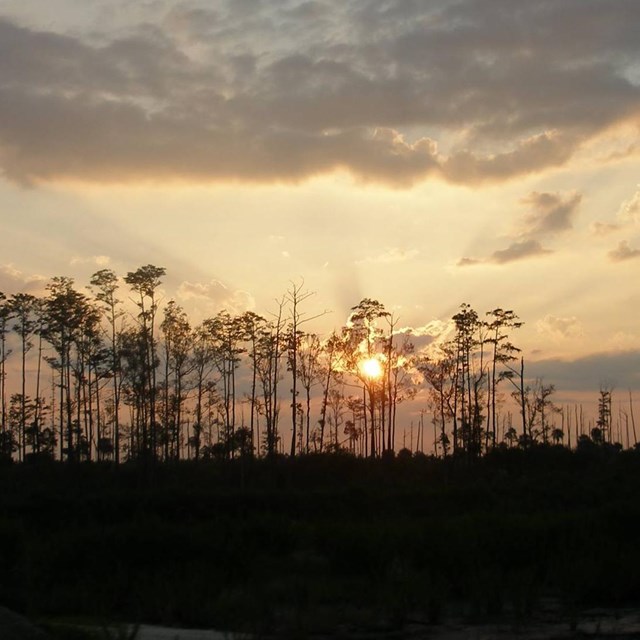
(421,153)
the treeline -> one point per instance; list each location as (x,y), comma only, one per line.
(97,382)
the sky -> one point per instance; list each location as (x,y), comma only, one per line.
(424,154)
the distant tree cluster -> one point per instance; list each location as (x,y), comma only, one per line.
(99,383)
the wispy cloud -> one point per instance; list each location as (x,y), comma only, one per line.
(623,252)
(100,261)
(550,214)
(630,209)
(604,228)
(627,215)
(214,296)
(468,262)
(13,280)
(560,327)
(391,255)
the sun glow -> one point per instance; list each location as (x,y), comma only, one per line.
(371,368)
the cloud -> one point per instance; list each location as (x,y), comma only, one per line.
(100,261)
(13,280)
(468,262)
(623,252)
(628,214)
(630,209)
(552,213)
(560,327)
(604,228)
(627,152)
(193,93)
(425,337)
(530,155)
(619,369)
(432,329)
(215,296)
(519,251)
(391,255)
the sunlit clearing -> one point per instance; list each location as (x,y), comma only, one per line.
(371,368)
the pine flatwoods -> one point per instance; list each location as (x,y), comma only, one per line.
(90,378)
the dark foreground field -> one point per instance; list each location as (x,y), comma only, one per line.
(321,544)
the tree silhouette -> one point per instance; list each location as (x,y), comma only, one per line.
(221,393)
(69,321)
(177,335)
(227,335)
(309,373)
(145,282)
(202,366)
(5,317)
(105,285)
(23,309)
(361,339)
(499,323)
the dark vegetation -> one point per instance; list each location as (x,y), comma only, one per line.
(322,542)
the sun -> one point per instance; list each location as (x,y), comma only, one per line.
(371,368)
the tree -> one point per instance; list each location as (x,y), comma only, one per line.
(23,308)
(202,368)
(267,362)
(539,408)
(499,324)
(145,282)
(227,335)
(603,421)
(309,373)
(135,392)
(253,326)
(470,376)
(362,338)
(105,285)
(177,344)
(337,406)
(398,363)
(520,395)
(295,296)
(5,317)
(331,354)
(88,370)
(65,312)
(440,373)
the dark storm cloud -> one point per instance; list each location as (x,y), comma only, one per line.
(247,90)
(620,370)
